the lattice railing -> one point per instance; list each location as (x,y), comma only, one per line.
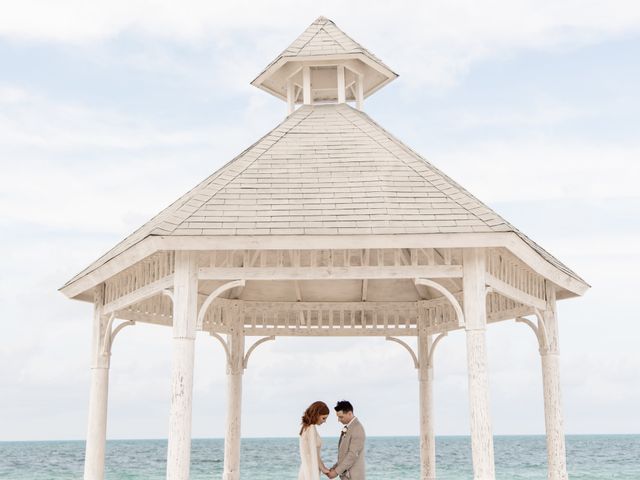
(145,272)
(502,308)
(317,318)
(439,314)
(506,267)
(314,318)
(156,310)
(331,258)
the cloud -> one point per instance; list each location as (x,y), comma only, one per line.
(544,113)
(543,168)
(75,176)
(436,43)
(71,165)
(12,94)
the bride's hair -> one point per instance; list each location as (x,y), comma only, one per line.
(312,414)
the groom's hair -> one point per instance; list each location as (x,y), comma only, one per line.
(344,406)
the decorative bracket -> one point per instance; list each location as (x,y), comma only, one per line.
(168,293)
(110,333)
(454,302)
(542,326)
(245,361)
(433,347)
(409,349)
(540,330)
(224,345)
(213,295)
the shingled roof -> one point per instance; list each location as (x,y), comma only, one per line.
(323,37)
(325,170)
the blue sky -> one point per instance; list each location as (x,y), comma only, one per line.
(109,111)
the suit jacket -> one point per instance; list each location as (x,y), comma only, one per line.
(350,465)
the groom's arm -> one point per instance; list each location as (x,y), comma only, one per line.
(355,450)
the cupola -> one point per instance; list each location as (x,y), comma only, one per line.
(324,65)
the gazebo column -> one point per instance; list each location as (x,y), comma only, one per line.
(235,370)
(185,312)
(427,436)
(556,456)
(475,316)
(307,98)
(98,396)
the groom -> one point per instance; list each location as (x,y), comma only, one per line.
(350,465)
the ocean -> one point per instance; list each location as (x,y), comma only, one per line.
(589,457)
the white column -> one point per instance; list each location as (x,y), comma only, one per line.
(427,436)
(290,96)
(341,85)
(235,369)
(475,316)
(98,396)
(185,312)
(306,85)
(359,91)
(556,456)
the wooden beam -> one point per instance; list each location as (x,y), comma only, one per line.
(354,66)
(514,293)
(336,273)
(142,293)
(432,253)
(330,332)
(137,317)
(502,315)
(79,286)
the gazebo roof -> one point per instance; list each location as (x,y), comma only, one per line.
(323,37)
(327,170)
(327,226)
(323,40)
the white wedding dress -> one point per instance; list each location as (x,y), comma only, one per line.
(310,444)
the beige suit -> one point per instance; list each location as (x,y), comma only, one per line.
(350,465)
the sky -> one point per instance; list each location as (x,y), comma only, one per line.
(109,111)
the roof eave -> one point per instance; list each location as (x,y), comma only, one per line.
(79,288)
(284,59)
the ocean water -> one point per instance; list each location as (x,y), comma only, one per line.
(517,457)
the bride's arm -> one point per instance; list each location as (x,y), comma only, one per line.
(314,450)
(323,469)
(321,464)
(309,455)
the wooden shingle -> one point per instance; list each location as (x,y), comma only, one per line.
(325,170)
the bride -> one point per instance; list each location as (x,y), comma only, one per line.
(310,442)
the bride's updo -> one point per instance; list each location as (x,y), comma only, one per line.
(312,414)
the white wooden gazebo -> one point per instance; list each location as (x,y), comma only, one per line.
(326,226)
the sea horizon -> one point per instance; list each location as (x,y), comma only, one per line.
(274,437)
(517,457)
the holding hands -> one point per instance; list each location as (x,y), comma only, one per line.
(330,472)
